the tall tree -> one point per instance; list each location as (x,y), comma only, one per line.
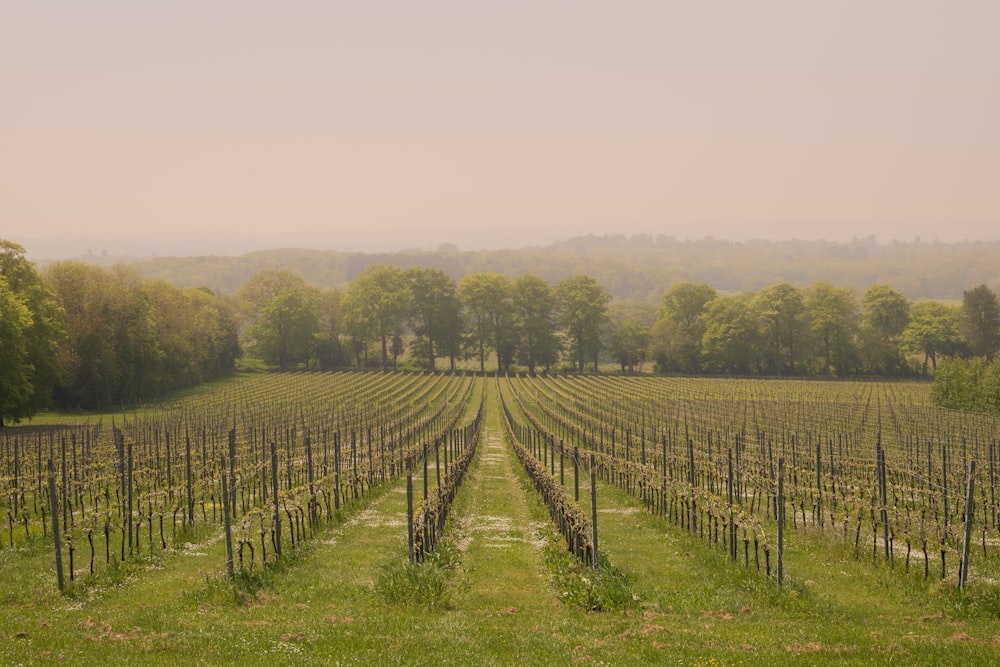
(196,332)
(288,323)
(376,305)
(534,307)
(113,349)
(680,326)
(885,314)
(629,344)
(582,304)
(264,285)
(15,370)
(781,311)
(328,348)
(488,300)
(731,340)
(834,319)
(46,332)
(435,311)
(932,331)
(981,321)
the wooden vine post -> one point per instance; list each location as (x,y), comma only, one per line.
(593,510)
(729,493)
(781,520)
(232,472)
(54,501)
(409,516)
(226,519)
(576,473)
(274,498)
(963,569)
(883,496)
(189,478)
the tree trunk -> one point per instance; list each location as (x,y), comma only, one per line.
(385,354)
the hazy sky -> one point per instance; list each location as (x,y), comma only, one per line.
(392,121)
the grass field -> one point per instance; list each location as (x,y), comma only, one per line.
(498,594)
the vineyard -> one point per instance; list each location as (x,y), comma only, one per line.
(261,517)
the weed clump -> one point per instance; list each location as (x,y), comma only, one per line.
(605,589)
(425,585)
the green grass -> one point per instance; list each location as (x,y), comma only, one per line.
(493,595)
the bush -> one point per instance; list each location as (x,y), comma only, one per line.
(968,384)
(604,589)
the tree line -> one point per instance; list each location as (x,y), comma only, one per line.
(822,330)
(81,336)
(422,312)
(636,267)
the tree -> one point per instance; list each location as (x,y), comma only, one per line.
(932,331)
(680,326)
(328,349)
(435,312)
(15,370)
(582,305)
(487,298)
(196,333)
(834,319)
(534,308)
(46,332)
(629,343)
(265,285)
(980,322)
(287,326)
(113,354)
(731,340)
(885,314)
(376,305)
(781,312)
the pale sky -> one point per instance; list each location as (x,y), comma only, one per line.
(390,122)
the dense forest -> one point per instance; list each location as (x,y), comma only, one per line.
(79,335)
(637,267)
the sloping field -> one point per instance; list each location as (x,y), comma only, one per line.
(874,486)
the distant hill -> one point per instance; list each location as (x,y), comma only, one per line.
(638,267)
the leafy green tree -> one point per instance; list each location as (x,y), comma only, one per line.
(113,348)
(375,306)
(780,310)
(680,326)
(488,300)
(196,333)
(436,312)
(328,349)
(534,308)
(933,330)
(731,342)
(582,305)
(264,285)
(46,333)
(397,348)
(885,314)
(834,320)
(957,383)
(288,323)
(885,311)
(629,344)
(15,370)
(980,322)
